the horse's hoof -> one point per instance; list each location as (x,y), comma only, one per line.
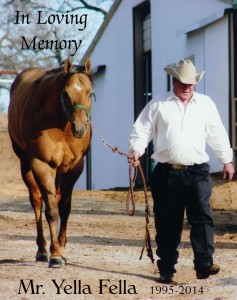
(55,262)
(42,257)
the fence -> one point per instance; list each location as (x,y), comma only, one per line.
(5,84)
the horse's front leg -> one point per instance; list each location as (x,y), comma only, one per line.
(64,211)
(57,250)
(36,203)
(66,187)
(45,177)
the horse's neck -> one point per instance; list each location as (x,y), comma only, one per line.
(52,101)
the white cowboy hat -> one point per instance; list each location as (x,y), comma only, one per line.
(185,72)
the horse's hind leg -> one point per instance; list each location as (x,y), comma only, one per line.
(36,202)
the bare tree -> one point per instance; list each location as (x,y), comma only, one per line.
(21,23)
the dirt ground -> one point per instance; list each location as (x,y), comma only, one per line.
(104,246)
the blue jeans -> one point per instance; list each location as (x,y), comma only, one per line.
(173,191)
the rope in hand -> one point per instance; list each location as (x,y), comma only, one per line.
(130,195)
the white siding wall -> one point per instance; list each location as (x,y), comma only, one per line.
(217,75)
(168,46)
(113,112)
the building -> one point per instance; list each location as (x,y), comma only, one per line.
(129,52)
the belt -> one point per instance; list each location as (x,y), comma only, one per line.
(182,167)
(178,167)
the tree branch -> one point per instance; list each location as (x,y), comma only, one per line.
(88,6)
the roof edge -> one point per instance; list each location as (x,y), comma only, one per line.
(202,23)
(101,30)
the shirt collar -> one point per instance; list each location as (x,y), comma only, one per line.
(173,97)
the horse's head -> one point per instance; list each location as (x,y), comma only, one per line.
(77,95)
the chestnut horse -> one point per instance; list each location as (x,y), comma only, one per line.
(50,133)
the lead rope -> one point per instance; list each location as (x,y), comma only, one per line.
(130,194)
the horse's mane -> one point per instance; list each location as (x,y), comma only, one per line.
(81,69)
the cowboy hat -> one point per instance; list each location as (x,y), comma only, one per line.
(185,72)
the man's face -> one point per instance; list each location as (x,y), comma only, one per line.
(182,90)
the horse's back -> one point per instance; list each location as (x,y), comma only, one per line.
(22,96)
(24,80)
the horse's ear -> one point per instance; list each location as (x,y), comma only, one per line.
(88,65)
(68,65)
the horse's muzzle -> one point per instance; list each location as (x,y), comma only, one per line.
(79,130)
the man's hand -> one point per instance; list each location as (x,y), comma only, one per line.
(134,158)
(228,171)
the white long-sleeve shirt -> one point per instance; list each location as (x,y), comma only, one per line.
(180,133)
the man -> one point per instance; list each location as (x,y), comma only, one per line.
(181,122)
